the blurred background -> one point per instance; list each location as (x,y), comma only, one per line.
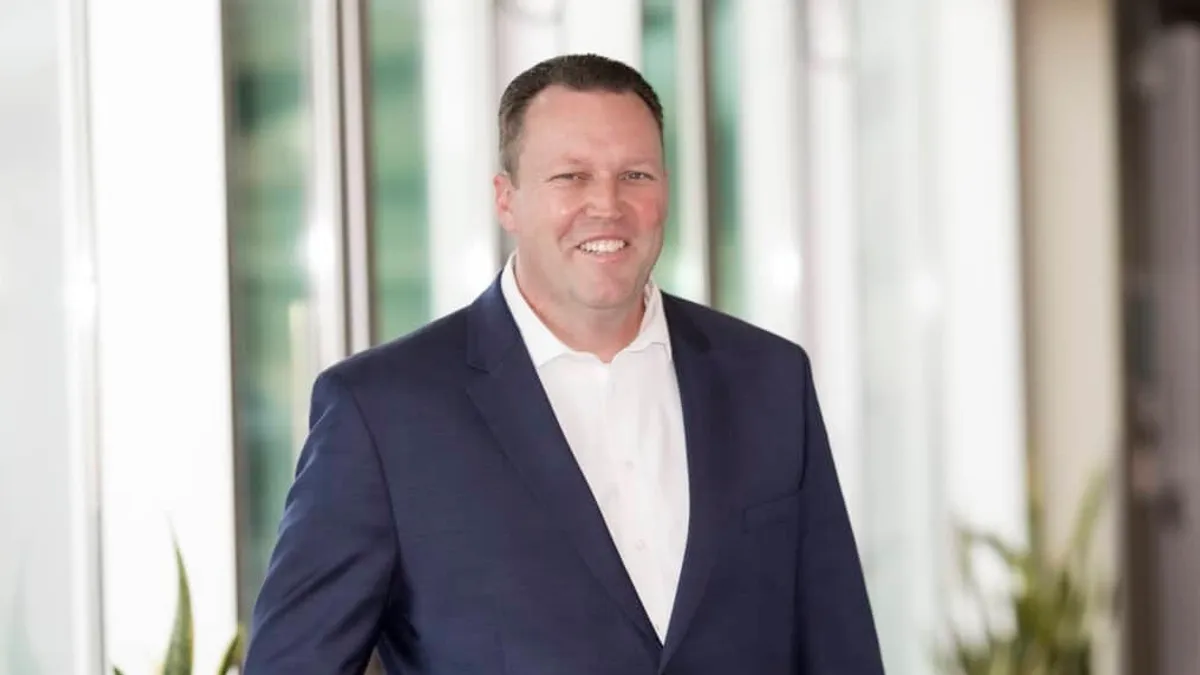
(981,218)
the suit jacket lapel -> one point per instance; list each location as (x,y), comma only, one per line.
(513,402)
(703,393)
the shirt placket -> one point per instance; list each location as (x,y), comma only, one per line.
(636,472)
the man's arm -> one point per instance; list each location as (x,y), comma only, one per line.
(836,631)
(327,586)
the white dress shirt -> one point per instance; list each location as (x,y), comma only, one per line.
(624,423)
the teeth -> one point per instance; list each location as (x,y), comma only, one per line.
(602,246)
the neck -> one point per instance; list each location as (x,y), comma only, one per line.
(603,333)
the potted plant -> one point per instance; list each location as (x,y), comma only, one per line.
(1053,600)
(178,659)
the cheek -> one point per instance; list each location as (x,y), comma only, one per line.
(650,211)
(561,210)
(545,215)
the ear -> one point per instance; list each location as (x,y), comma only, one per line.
(503,188)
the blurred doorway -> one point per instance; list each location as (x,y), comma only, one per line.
(1160,151)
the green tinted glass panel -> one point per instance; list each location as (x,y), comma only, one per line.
(269,128)
(658,67)
(723,159)
(402,293)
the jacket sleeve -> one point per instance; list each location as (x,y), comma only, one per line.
(835,627)
(328,582)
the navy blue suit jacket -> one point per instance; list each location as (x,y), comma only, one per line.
(438,513)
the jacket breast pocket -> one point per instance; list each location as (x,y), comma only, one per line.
(777,510)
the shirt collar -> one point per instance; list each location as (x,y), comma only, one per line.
(544,346)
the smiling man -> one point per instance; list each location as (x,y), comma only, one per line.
(578,473)
(584,192)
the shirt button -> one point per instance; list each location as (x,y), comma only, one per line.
(640,545)
(629,465)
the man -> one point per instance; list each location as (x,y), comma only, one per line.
(577,474)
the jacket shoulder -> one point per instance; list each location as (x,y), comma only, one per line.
(438,347)
(727,333)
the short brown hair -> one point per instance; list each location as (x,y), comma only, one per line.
(578,72)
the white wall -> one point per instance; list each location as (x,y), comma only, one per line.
(976,206)
(158,161)
(48,588)
(1069,185)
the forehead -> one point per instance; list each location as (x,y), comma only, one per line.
(561,118)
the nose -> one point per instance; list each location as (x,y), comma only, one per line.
(604,201)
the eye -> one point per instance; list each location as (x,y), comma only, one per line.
(638,175)
(568,177)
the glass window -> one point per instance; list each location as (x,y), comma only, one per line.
(721,51)
(273,285)
(401,274)
(658,67)
(269,127)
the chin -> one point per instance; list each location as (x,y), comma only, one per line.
(610,290)
(611,301)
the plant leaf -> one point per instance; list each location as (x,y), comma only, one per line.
(1052,600)
(1086,518)
(117,671)
(179,653)
(234,653)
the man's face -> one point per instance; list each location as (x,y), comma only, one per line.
(587,204)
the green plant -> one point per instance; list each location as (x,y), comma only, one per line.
(179,650)
(1053,600)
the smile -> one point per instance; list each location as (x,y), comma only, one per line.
(602,246)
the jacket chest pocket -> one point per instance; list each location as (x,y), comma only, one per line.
(785,509)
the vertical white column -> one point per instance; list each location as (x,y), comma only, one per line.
(158,168)
(612,28)
(771,163)
(832,330)
(691,178)
(81,323)
(49,586)
(975,205)
(327,198)
(458,65)
(974,108)
(339,208)
(941,300)
(527,31)
(900,323)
